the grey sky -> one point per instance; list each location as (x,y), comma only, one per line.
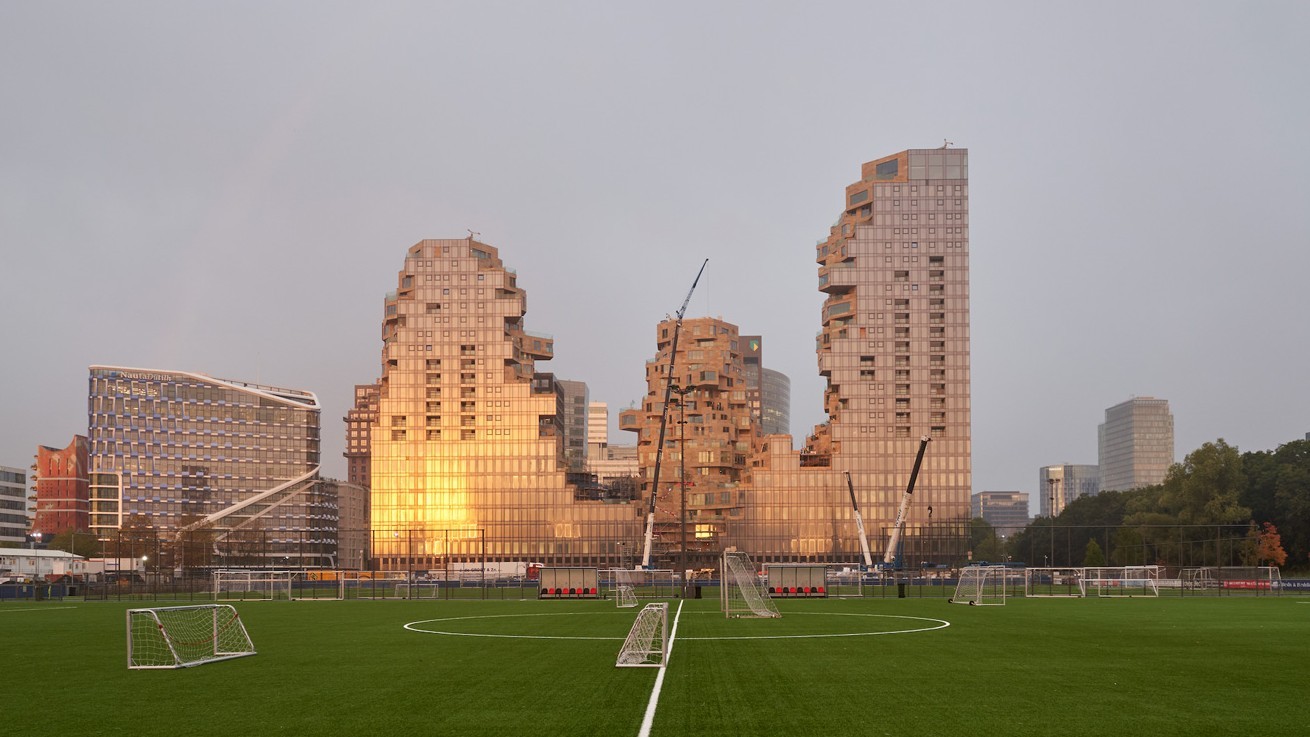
(230,188)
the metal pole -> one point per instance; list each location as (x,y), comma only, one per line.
(682,480)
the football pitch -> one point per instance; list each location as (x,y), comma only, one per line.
(896,667)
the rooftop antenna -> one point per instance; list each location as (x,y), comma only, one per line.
(947,144)
(473,233)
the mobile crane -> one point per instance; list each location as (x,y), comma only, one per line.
(664,419)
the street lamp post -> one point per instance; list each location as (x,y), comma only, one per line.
(1050,486)
(682,483)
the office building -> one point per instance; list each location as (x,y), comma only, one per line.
(573,422)
(205,472)
(1005,511)
(62,489)
(13,505)
(1136,444)
(1058,486)
(467,452)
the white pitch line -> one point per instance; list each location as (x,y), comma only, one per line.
(43,609)
(649,720)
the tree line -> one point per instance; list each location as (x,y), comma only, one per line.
(1218,507)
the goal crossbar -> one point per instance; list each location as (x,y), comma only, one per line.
(647,643)
(185,636)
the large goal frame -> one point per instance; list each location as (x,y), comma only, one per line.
(1054,583)
(742,593)
(647,643)
(252,584)
(1122,581)
(185,636)
(982,585)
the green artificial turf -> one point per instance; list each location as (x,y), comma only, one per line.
(1033,667)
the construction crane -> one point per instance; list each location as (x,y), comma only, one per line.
(890,556)
(664,418)
(859,524)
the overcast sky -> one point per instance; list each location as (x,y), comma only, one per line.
(230,188)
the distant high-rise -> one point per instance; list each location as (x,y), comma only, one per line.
(359,423)
(1136,444)
(598,429)
(768,391)
(228,469)
(62,490)
(468,454)
(1058,486)
(1005,511)
(13,505)
(573,421)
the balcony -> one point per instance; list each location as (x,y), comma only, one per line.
(837,278)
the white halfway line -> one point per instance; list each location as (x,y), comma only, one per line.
(648,720)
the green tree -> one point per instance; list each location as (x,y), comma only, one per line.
(77,542)
(1092,554)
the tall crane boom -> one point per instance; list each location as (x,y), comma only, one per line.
(664,418)
(859,523)
(889,557)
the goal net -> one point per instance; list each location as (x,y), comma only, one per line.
(647,644)
(183,636)
(742,594)
(625,587)
(1125,581)
(981,586)
(252,584)
(1053,582)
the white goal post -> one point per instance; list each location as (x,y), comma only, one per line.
(742,593)
(252,584)
(981,586)
(1054,582)
(1123,581)
(647,644)
(183,636)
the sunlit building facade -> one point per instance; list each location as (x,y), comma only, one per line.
(62,489)
(216,472)
(894,349)
(708,434)
(467,451)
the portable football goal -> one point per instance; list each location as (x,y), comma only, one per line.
(183,636)
(982,586)
(254,584)
(647,644)
(742,593)
(1123,581)
(1053,582)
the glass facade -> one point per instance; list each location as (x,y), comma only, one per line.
(468,449)
(13,505)
(180,453)
(894,348)
(1136,444)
